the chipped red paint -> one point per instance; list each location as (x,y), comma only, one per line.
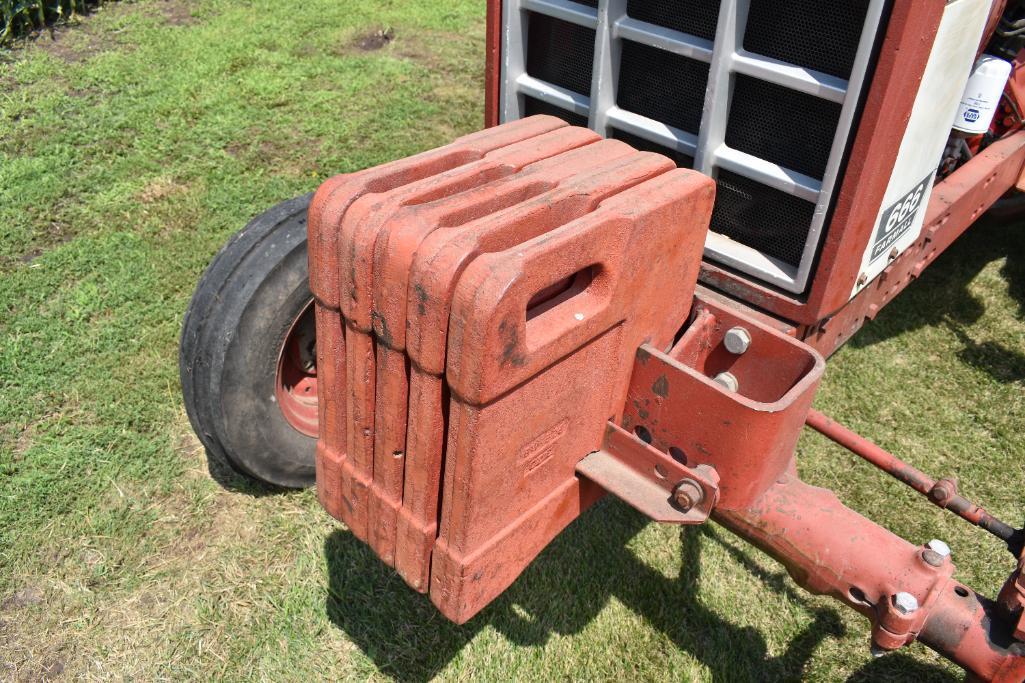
(345,444)
(831,550)
(956,203)
(898,71)
(432,336)
(533,386)
(543,217)
(562,188)
(492,63)
(748,436)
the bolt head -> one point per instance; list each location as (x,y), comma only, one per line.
(906,603)
(727,381)
(687,495)
(737,340)
(683,500)
(938,547)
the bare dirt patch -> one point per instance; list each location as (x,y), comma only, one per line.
(51,237)
(62,43)
(177,12)
(374,40)
(424,48)
(161,188)
(79,39)
(24,597)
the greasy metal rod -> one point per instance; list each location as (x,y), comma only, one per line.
(942,493)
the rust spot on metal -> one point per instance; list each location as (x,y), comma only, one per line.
(421,299)
(510,345)
(661,386)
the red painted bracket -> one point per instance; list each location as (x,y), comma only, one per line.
(739,412)
(651,481)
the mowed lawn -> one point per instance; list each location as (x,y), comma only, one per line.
(134,145)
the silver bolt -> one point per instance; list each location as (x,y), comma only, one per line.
(938,547)
(877,651)
(906,603)
(737,340)
(727,381)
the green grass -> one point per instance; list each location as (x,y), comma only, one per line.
(133,146)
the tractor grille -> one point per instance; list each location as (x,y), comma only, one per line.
(560,52)
(533,106)
(637,142)
(662,86)
(759,94)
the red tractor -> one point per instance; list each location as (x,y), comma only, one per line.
(626,283)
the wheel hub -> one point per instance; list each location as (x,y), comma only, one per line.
(295,386)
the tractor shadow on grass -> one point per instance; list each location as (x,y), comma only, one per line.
(230,480)
(564,590)
(941,297)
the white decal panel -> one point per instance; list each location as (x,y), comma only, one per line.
(903,208)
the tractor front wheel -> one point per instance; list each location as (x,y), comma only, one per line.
(248,352)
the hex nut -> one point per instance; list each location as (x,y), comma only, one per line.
(737,340)
(727,381)
(938,547)
(906,603)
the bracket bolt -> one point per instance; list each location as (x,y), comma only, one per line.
(737,340)
(688,494)
(727,381)
(941,548)
(906,603)
(936,551)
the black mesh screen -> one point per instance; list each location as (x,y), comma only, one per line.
(783,126)
(812,33)
(762,218)
(696,17)
(532,106)
(589,3)
(637,142)
(662,86)
(560,53)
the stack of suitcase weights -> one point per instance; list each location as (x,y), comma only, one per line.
(478,308)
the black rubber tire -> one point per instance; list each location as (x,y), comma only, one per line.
(233,331)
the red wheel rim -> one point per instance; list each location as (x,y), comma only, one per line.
(295,386)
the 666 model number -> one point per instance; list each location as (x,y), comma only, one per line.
(898,219)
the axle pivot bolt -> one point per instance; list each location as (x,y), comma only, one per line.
(727,381)
(906,603)
(688,494)
(737,340)
(938,547)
